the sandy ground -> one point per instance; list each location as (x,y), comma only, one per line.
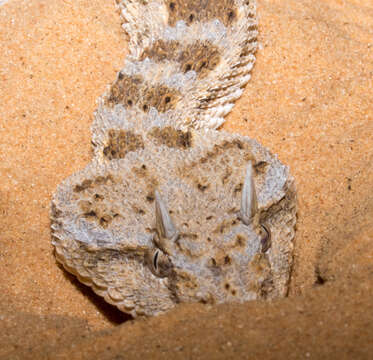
(309,101)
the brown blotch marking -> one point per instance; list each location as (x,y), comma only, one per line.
(261,278)
(186,284)
(227,260)
(85,205)
(161,50)
(223,149)
(202,187)
(133,90)
(238,188)
(160,97)
(259,263)
(150,181)
(122,142)
(138,210)
(171,137)
(102,180)
(150,197)
(228,173)
(213,262)
(201,10)
(221,153)
(90,184)
(105,220)
(190,236)
(260,167)
(98,197)
(202,57)
(222,227)
(126,90)
(240,240)
(86,184)
(97,212)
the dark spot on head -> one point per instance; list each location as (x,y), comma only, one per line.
(209,240)
(143,166)
(238,143)
(150,198)
(83,186)
(240,240)
(228,173)
(167,99)
(238,188)
(90,213)
(227,260)
(120,76)
(233,292)
(145,107)
(231,15)
(209,217)
(191,17)
(227,286)
(260,167)
(100,180)
(222,227)
(172,6)
(105,221)
(202,187)
(188,67)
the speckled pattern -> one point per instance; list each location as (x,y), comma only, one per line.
(229,240)
(308,101)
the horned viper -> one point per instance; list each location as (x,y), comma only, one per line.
(171,210)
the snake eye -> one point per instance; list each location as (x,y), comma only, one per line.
(266,238)
(159,263)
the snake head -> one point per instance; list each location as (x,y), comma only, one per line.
(191,216)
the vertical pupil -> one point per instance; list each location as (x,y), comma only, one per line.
(155,260)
